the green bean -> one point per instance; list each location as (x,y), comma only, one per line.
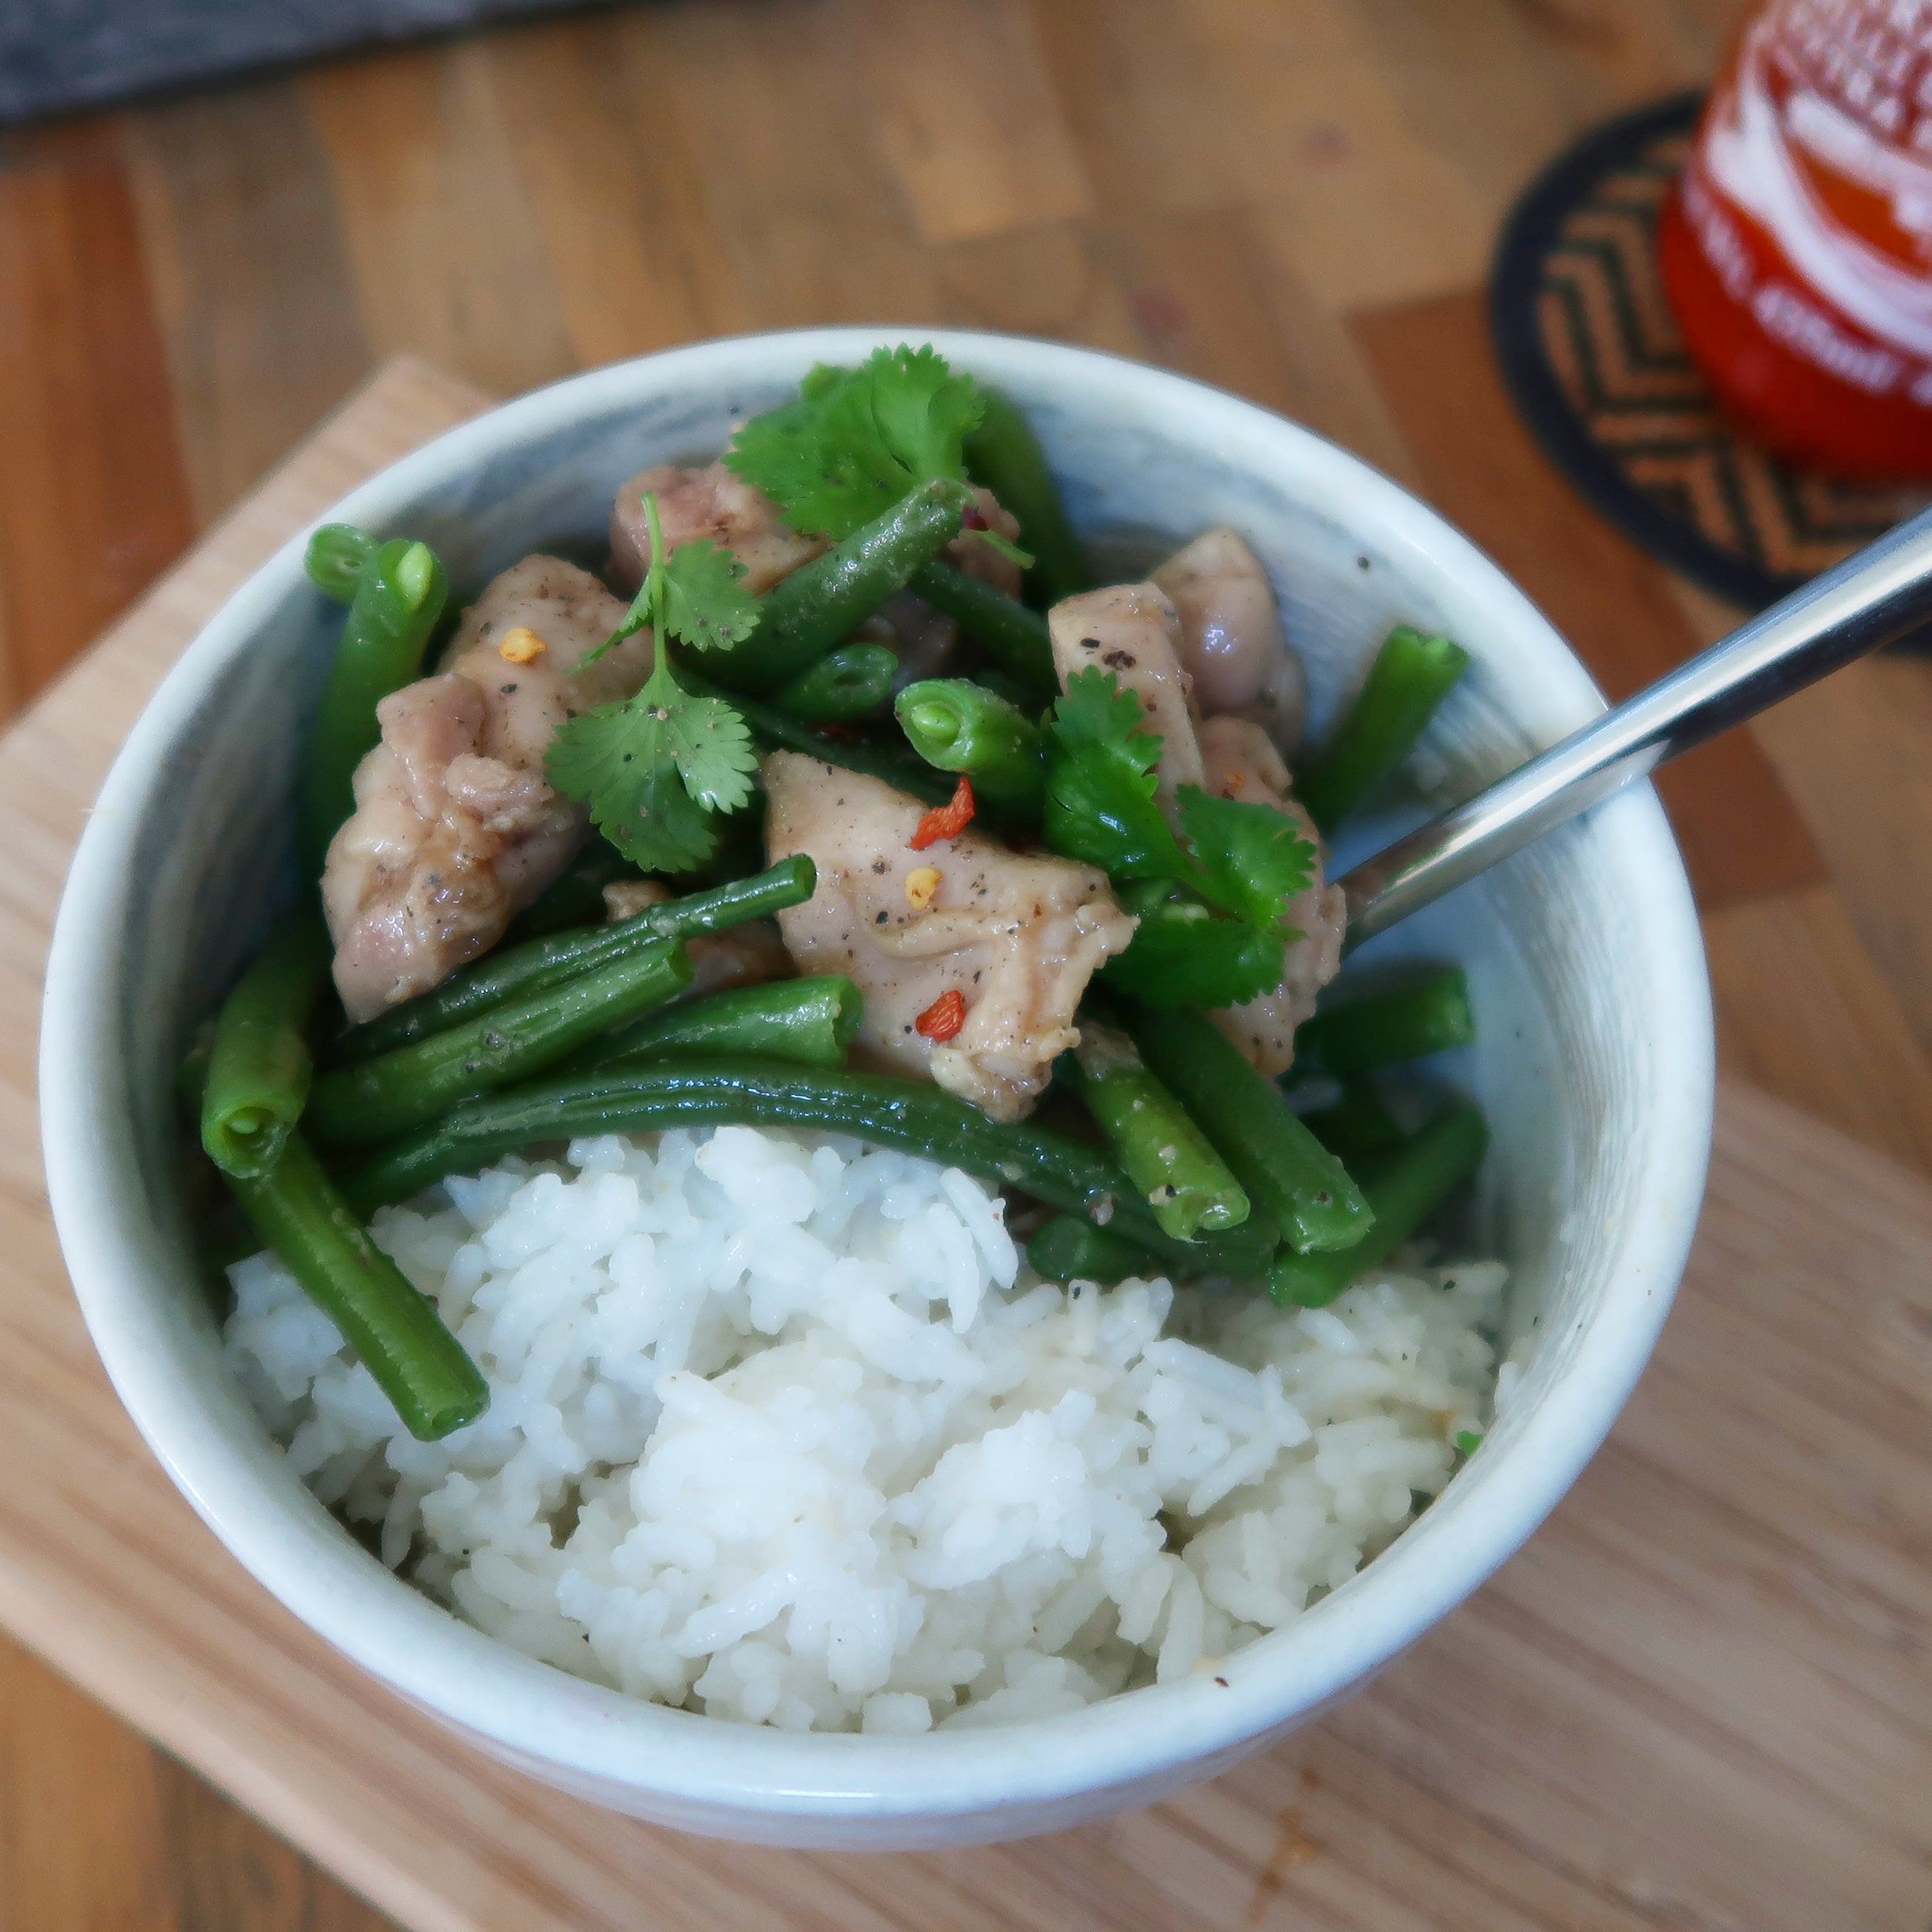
(1401,1022)
(811,1021)
(1014,636)
(1182,1178)
(911,1116)
(258,1078)
(575,897)
(1357,1126)
(1003,454)
(844,683)
(892,764)
(1403,1190)
(807,614)
(959,726)
(398,598)
(397,1092)
(1026,699)
(1410,677)
(1070,1248)
(516,972)
(336,556)
(394,1329)
(1287,1171)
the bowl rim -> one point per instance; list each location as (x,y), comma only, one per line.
(556,1724)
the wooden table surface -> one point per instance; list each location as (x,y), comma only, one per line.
(1295,199)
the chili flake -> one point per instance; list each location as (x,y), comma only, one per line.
(521,645)
(945,821)
(944,1017)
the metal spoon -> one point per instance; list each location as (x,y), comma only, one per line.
(1872,598)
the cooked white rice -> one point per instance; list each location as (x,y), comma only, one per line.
(782,1429)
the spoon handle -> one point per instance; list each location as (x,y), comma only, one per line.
(1872,598)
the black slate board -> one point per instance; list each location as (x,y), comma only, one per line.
(57,55)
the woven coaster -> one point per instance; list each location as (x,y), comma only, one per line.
(1592,353)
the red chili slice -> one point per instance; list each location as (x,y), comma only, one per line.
(945,821)
(944,1017)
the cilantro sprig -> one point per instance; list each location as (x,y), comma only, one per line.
(1211,899)
(654,768)
(856,441)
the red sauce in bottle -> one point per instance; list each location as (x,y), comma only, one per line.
(1797,247)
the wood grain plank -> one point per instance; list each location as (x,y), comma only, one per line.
(93,498)
(1741,838)
(1852,752)
(1212,298)
(239,228)
(758,94)
(1386,142)
(225,1873)
(1804,1012)
(966,117)
(1043,280)
(444,249)
(81,1830)
(1381,144)
(1706,1740)
(618,207)
(1136,86)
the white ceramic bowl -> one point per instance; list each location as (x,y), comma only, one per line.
(1595,1064)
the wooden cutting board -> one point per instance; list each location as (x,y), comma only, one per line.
(1701,1698)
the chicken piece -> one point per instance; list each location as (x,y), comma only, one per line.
(977,559)
(1017,935)
(1241,762)
(740,955)
(708,503)
(1231,643)
(1133,631)
(924,639)
(455,827)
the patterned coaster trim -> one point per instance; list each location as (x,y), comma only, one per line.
(1592,354)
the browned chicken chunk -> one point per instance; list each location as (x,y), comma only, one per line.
(455,827)
(1132,630)
(707,503)
(1017,936)
(1231,643)
(1241,762)
(978,558)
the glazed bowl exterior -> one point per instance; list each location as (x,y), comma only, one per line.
(1594,1063)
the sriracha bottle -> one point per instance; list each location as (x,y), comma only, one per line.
(1797,247)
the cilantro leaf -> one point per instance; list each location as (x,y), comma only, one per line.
(922,412)
(711,745)
(654,768)
(1469,1441)
(855,441)
(705,602)
(1183,954)
(1212,902)
(612,759)
(694,594)
(1100,783)
(635,619)
(1253,858)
